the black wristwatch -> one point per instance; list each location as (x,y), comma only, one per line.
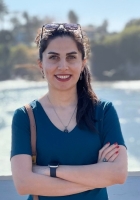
(53,166)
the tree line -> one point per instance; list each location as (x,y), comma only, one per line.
(117,56)
(114,56)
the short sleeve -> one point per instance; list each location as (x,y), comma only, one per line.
(111,126)
(21,139)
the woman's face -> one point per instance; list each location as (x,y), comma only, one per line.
(62,63)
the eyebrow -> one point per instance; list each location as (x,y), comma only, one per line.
(73,52)
(51,52)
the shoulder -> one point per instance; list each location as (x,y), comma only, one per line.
(104,105)
(109,125)
(104,108)
(20,114)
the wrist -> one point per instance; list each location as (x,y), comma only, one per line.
(43,170)
(53,168)
(46,171)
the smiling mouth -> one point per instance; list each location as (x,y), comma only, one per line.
(63,77)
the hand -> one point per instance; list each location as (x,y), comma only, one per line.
(108,152)
(44,170)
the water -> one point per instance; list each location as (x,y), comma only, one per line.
(124,95)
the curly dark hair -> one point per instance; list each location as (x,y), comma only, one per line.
(87,98)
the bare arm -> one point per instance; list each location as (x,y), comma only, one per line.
(98,175)
(27,182)
(36,183)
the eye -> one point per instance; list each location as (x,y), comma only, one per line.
(71,57)
(53,57)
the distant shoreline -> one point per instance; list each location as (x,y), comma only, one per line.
(25,84)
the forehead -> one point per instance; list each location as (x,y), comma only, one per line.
(64,44)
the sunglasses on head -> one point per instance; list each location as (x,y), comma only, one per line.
(55,26)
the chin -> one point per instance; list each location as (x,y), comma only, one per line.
(64,88)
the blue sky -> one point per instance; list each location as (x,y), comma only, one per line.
(117,12)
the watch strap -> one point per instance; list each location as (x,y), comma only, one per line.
(53,171)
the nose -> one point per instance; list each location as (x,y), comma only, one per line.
(63,65)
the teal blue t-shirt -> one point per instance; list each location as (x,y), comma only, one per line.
(78,147)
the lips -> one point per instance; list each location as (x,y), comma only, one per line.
(63,77)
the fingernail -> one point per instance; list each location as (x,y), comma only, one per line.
(116,143)
(108,143)
(117,147)
(116,152)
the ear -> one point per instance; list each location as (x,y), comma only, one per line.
(84,62)
(39,63)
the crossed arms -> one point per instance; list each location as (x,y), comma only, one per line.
(36,180)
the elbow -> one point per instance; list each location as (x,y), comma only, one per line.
(121,176)
(21,190)
(22,186)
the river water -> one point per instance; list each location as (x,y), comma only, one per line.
(124,95)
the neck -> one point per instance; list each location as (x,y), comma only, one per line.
(63,98)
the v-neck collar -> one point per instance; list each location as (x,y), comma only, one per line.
(40,105)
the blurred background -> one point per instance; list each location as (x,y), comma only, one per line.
(113,28)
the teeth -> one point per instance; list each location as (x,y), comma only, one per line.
(63,77)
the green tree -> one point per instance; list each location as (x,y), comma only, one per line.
(133,22)
(73,18)
(32,23)
(117,57)
(5,70)
(23,60)
(3,12)
(15,22)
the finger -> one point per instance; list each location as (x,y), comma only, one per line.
(114,157)
(109,149)
(102,150)
(112,152)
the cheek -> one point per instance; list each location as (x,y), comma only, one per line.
(77,67)
(48,67)
(49,71)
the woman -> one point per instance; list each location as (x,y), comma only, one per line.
(79,153)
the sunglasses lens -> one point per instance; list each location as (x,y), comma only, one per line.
(71,26)
(51,26)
